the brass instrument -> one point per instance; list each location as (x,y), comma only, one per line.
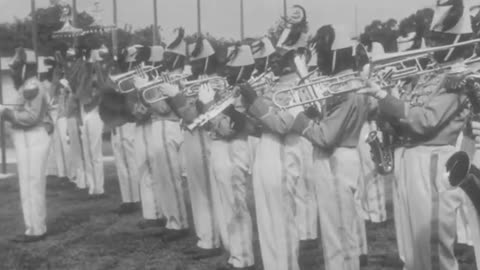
(125,81)
(151,91)
(463,174)
(192,87)
(382,153)
(229,99)
(322,89)
(319,89)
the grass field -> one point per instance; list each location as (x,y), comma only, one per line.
(86,235)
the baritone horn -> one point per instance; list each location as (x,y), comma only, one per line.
(463,174)
(125,81)
(151,91)
(193,87)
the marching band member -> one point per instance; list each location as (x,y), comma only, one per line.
(76,160)
(298,150)
(372,186)
(78,83)
(60,140)
(91,128)
(31,126)
(45,64)
(145,153)
(168,142)
(474,219)
(123,147)
(196,151)
(335,138)
(431,117)
(276,169)
(229,167)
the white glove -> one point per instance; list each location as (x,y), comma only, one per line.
(169,90)
(187,70)
(206,94)
(476,130)
(139,81)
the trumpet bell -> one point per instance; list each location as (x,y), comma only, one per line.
(153,94)
(124,82)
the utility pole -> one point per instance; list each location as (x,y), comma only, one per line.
(285,8)
(155,23)
(74,21)
(114,32)
(34,30)
(3,145)
(356,20)
(199,17)
(242,21)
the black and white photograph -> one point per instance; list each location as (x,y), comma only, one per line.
(239,135)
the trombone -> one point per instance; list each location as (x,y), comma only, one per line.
(354,81)
(321,89)
(125,81)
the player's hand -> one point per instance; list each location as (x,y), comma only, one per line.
(169,90)
(476,130)
(374,90)
(206,94)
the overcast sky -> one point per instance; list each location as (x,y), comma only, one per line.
(221,17)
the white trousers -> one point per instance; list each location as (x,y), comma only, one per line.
(229,162)
(91,138)
(274,203)
(61,147)
(196,152)
(52,167)
(473,219)
(123,146)
(464,233)
(168,139)
(336,185)
(76,159)
(426,208)
(299,162)
(150,184)
(32,149)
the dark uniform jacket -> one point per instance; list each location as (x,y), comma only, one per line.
(430,114)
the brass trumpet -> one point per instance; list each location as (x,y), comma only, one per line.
(151,92)
(125,81)
(463,174)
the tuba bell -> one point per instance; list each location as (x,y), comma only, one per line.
(463,174)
